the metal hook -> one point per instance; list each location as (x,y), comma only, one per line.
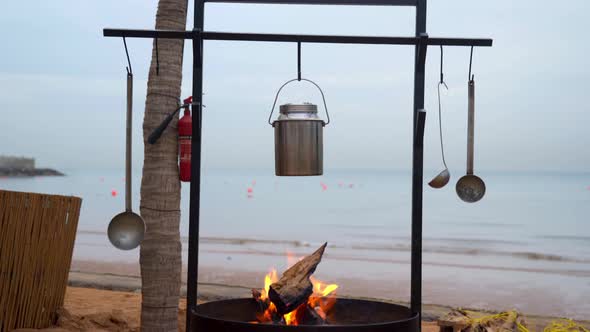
(129,69)
(442,75)
(157,58)
(299,61)
(470,63)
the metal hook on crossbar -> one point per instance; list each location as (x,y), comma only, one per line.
(469,78)
(442,75)
(129,69)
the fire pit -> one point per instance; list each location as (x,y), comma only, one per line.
(299,301)
(238,315)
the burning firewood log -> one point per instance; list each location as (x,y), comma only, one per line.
(321,314)
(265,315)
(258,297)
(294,287)
(311,316)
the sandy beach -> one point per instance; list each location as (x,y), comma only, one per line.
(478,286)
(107,302)
(217,284)
(90,309)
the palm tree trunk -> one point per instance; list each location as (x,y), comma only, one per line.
(160,253)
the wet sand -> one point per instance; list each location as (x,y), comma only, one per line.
(107,297)
(450,287)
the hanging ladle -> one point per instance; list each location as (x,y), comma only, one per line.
(443,177)
(126,230)
(470,187)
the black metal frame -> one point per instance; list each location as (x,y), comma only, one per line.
(310,39)
(421,42)
(327,2)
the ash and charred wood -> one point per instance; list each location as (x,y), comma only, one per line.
(263,304)
(256,294)
(310,316)
(322,314)
(294,287)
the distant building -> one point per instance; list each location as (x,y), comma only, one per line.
(17,162)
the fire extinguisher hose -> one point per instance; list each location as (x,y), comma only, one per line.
(155,135)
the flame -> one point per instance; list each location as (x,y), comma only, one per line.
(323,296)
(321,289)
(292,259)
(322,300)
(269,279)
(291,318)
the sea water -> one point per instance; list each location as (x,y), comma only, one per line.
(530,232)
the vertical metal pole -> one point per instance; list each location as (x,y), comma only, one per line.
(418,160)
(299,61)
(195,196)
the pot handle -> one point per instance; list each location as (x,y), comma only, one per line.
(293,80)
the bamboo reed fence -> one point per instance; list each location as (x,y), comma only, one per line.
(37,234)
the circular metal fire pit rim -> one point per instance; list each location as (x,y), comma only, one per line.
(413,316)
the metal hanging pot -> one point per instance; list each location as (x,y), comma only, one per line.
(299,137)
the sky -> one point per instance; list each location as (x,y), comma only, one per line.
(62,85)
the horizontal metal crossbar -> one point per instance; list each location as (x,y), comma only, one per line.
(374,40)
(326,2)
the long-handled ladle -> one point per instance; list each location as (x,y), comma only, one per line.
(443,177)
(126,230)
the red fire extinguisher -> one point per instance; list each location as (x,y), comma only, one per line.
(185,131)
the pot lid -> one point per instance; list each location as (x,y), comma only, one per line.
(298,108)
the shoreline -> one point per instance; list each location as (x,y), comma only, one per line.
(10,172)
(437,293)
(459,278)
(245,245)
